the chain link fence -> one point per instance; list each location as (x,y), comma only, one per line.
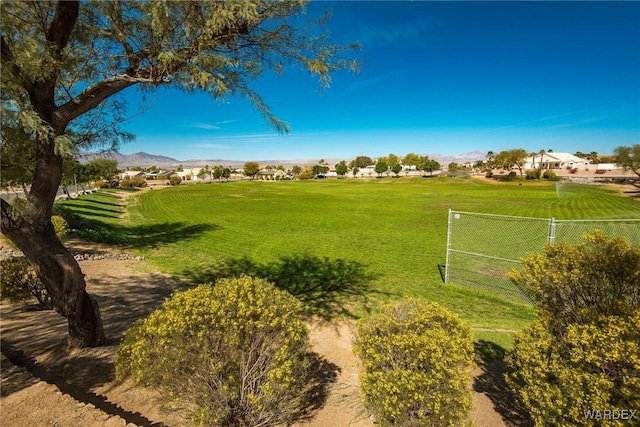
(482,248)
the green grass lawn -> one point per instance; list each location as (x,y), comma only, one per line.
(357,243)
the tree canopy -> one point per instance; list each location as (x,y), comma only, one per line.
(65,64)
(628,157)
(361,162)
(511,158)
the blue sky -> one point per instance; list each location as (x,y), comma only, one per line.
(436,78)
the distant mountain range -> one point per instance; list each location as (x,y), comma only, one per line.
(146,160)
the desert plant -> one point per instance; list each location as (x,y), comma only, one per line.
(19,282)
(583,352)
(134,182)
(305,175)
(550,175)
(60,225)
(416,358)
(533,174)
(175,180)
(231,354)
(101,184)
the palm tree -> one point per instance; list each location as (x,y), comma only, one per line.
(542,153)
(490,155)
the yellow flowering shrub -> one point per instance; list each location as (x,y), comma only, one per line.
(60,225)
(582,354)
(416,358)
(232,354)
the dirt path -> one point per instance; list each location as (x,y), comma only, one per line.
(55,386)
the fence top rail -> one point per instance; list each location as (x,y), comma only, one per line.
(501,216)
(599,220)
(547,219)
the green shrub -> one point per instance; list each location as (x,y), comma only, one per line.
(60,225)
(416,360)
(101,184)
(583,352)
(19,282)
(305,175)
(175,180)
(533,174)
(489,174)
(135,182)
(232,354)
(550,175)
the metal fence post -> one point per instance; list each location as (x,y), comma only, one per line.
(446,263)
(552,231)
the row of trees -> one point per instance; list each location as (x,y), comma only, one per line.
(626,157)
(390,163)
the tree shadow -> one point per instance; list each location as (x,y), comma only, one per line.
(491,382)
(154,235)
(133,237)
(326,287)
(102,203)
(36,342)
(80,394)
(322,375)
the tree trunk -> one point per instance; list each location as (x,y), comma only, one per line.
(32,232)
(63,279)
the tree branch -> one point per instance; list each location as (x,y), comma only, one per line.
(8,60)
(62,25)
(8,222)
(91,98)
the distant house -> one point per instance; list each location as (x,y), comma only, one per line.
(556,161)
(189,174)
(159,175)
(271,174)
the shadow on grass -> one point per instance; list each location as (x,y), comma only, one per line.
(134,237)
(326,287)
(491,382)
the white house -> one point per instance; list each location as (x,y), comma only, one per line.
(555,160)
(189,174)
(270,174)
(132,174)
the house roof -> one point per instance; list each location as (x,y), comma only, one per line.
(565,158)
(556,157)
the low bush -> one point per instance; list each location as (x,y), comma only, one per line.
(550,175)
(19,283)
(101,184)
(305,175)
(583,352)
(232,354)
(175,180)
(488,174)
(60,225)
(416,360)
(135,182)
(533,174)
